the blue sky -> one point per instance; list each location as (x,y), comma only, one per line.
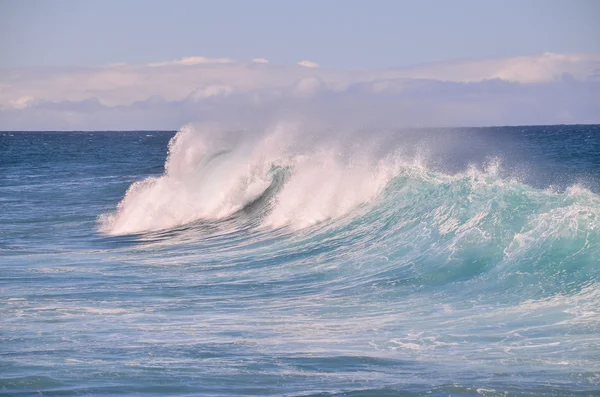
(113,65)
(337,34)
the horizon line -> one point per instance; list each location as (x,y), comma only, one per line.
(399,128)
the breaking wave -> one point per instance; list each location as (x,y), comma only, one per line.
(211,175)
(298,179)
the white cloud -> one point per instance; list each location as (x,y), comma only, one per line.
(543,88)
(309,64)
(22,102)
(308,87)
(210,91)
(187,61)
(524,69)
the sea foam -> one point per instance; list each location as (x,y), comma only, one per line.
(211,174)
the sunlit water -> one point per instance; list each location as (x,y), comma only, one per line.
(288,262)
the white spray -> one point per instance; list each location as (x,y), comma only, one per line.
(212,173)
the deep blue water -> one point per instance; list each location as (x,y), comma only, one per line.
(460,262)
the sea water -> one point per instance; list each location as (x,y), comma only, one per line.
(297,260)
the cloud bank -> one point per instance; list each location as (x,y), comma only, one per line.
(542,89)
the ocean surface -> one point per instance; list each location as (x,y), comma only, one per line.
(299,260)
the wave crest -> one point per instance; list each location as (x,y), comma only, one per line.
(211,174)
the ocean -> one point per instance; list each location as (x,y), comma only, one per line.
(301,260)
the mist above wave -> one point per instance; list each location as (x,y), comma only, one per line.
(212,173)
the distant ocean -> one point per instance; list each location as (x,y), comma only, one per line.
(299,261)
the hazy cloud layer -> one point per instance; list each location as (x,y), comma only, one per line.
(542,89)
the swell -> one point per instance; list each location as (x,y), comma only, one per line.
(404,222)
(440,229)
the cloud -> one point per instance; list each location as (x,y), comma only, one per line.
(210,91)
(22,102)
(308,87)
(524,69)
(541,89)
(309,64)
(191,61)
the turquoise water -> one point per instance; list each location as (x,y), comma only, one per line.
(288,262)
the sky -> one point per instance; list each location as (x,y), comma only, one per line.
(80,64)
(336,34)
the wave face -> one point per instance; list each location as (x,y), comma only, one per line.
(304,260)
(211,175)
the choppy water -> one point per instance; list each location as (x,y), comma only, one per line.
(290,261)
